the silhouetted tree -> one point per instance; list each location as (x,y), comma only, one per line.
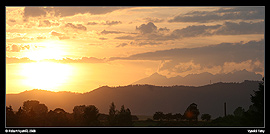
(78,114)
(258,102)
(239,112)
(21,117)
(119,118)
(58,117)
(29,104)
(158,116)
(177,116)
(168,116)
(90,115)
(34,106)
(255,114)
(11,119)
(59,111)
(123,117)
(32,113)
(206,117)
(86,115)
(112,114)
(192,112)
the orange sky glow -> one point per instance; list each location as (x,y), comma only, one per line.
(79,49)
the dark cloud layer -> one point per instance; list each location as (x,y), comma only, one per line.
(150,32)
(153,19)
(213,55)
(61,36)
(228,28)
(66,11)
(110,23)
(47,23)
(194,31)
(110,32)
(147,28)
(76,26)
(234,13)
(34,12)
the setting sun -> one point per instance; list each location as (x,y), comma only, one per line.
(46,75)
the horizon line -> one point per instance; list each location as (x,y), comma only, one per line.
(132,86)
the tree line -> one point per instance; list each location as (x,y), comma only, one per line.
(35,114)
(191,114)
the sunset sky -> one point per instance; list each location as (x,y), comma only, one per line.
(79,49)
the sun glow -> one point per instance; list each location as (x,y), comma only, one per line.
(47,50)
(46,75)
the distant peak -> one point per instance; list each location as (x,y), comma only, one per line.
(199,74)
(156,74)
(244,71)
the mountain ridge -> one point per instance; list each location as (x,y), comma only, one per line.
(147,99)
(198,79)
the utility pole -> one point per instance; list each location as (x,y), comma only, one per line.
(225,114)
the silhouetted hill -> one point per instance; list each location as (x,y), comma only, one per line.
(147,99)
(199,79)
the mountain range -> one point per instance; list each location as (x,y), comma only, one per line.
(147,99)
(199,79)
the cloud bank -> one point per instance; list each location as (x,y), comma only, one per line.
(16,48)
(151,32)
(66,11)
(232,13)
(222,57)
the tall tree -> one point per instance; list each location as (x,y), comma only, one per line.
(257,108)
(34,113)
(192,112)
(58,117)
(258,98)
(90,115)
(11,119)
(124,117)
(112,114)
(35,106)
(78,114)
(158,116)
(177,116)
